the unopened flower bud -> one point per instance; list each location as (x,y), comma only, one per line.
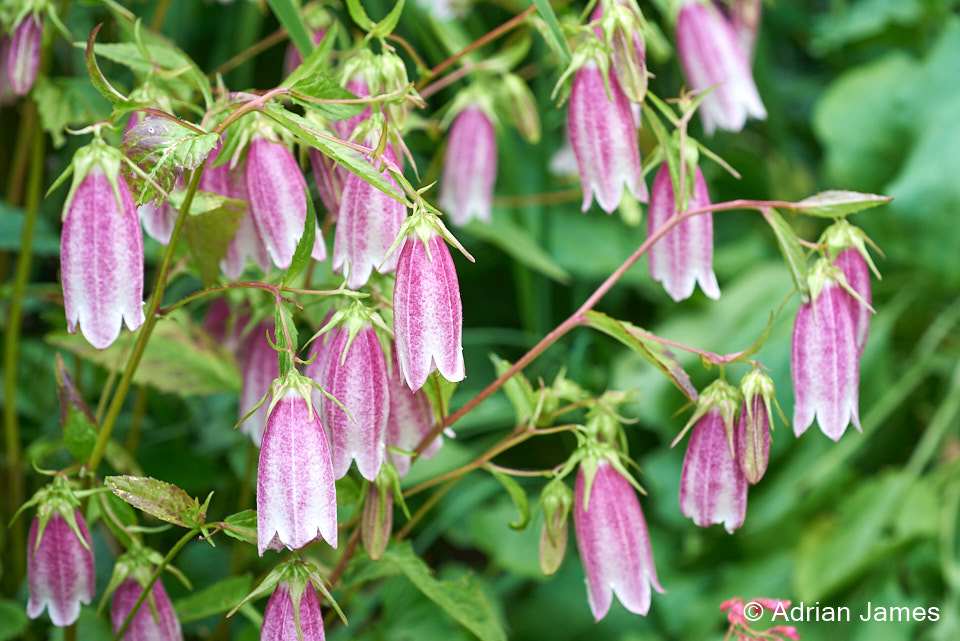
(622,28)
(522,105)
(753,427)
(376,524)
(22,58)
(556,500)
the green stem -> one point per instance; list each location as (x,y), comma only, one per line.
(116,403)
(186,538)
(11,351)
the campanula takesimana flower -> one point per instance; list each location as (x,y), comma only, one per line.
(469,167)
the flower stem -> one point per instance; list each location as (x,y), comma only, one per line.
(116,403)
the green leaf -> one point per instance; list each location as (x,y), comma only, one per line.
(517,494)
(13,620)
(179,359)
(316,62)
(640,342)
(222,596)
(359,15)
(67,102)
(519,245)
(97,79)
(789,244)
(301,255)
(386,26)
(79,435)
(209,228)
(159,499)
(322,86)
(242,526)
(439,390)
(288,13)
(462,599)
(559,42)
(518,389)
(838,203)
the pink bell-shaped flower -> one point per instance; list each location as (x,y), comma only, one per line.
(358,86)
(296,495)
(155,620)
(158,220)
(23,54)
(409,420)
(287,611)
(857,274)
(713,59)
(101,249)
(825,360)
(355,373)
(260,368)
(367,225)
(612,539)
(713,488)
(470,167)
(603,134)
(427,313)
(683,257)
(329,180)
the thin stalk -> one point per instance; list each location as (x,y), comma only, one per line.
(424,508)
(116,403)
(186,538)
(11,350)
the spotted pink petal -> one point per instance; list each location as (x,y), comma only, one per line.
(158,220)
(857,274)
(367,225)
(683,257)
(277,194)
(603,135)
(159,623)
(260,367)
(825,364)
(358,379)
(470,167)
(713,488)
(60,572)
(279,619)
(712,56)
(427,314)
(410,419)
(101,260)
(613,542)
(23,55)
(296,495)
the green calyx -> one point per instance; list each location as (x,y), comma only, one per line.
(96,155)
(556,500)
(757,384)
(719,396)
(59,498)
(139,564)
(590,49)
(841,236)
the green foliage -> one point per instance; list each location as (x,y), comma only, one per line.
(208,229)
(159,499)
(220,597)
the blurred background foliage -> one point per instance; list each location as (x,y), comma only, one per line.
(861,94)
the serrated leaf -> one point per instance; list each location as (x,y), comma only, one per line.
(638,340)
(13,620)
(157,498)
(518,389)
(179,358)
(790,247)
(519,245)
(242,526)
(209,228)
(301,255)
(517,495)
(222,596)
(838,203)
(323,86)
(288,13)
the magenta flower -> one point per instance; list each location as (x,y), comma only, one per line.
(613,541)
(296,495)
(260,368)
(101,258)
(23,55)
(277,193)
(285,609)
(825,360)
(60,571)
(155,620)
(470,167)
(683,257)
(603,135)
(367,225)
(713,488)
(713,59)
(857,273)
(158,219)
(410,419)
(427,314)
(355,373)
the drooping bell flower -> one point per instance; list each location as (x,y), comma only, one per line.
(556,501)
(292,58)
(101,249)
(155,620)
(825,360)
(23,55)
(754,426)
(260,368)
(410,419)
(355,373)
(683,257)
(367,226)
(612,539)
(246,245)
(427,313)
(713,59)
(60,570)
(296,494)
(745,18)
(291,616)
(603,134)
(470,167)
(847,245)
(621,27)
(713,488)
(277,193)
(158,220)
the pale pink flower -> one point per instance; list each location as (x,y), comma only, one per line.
(469,168)
(23,55)
(283,611)
(60,571)
(259,366)
(155,620)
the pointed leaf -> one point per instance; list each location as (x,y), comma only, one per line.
(219,597)
(517,494)
(518,389)
(790,247)
(838,203)
(242,526)
(288,13)
(301,255)
(159,499)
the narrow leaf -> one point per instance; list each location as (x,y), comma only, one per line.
(517,494)
(838,203)
(519,245)
(301,255)
(242,526)
(288,13)
(559,42)
(790,247)
(518,389)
